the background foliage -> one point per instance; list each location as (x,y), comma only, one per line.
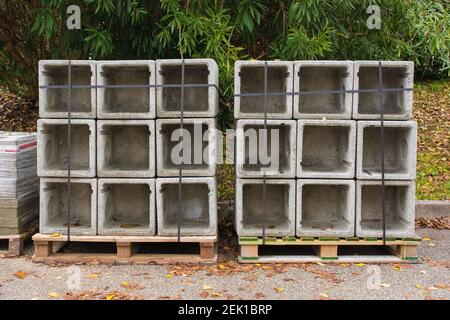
(417,30)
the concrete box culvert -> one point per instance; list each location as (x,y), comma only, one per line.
(52,150)
(250,140)
(325,208)
(323,76)
(53,102)
(326,149)
(400,148)
(127,102)
(199,145)
(280,207)
(126,148)
(249,78)
(126,207)
(399,204)
(54,206)
(199,102)
(198,206)
(395,75)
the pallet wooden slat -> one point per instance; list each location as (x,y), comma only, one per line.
(15,242)
(124,250)
(327,249)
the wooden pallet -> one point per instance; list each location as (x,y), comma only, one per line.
(15,241)
(326,250)
(47,250)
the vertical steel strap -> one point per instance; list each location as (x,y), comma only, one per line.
(266,136)
(69,146)
(180,170)
(380,100)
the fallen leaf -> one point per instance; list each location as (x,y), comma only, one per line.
(426,239)
(207,287)
(360,264)
(418,286)
(423,271)
(259,295)
(53,295)
(324,295)
(55,235)
(110,296)
(278,290)
(169,276)
(385,285)
(320,263)
(431,288)
(21,274)
(93,276)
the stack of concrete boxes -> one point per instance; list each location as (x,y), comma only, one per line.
(255,146)
(326,149)
(191,161)
(53,146)
(113,147)
(332,148)
(400,147)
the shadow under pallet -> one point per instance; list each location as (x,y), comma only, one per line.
(124,249)
(320,249)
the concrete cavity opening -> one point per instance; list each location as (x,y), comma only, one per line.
(56,205)
(325,208)
(396,145)
(396,208)
(277,207)
(196,160)
(392,77)
(326,149)
(194,205)
(129,100)
(315,78)
(195,98)
(57,98)
(126,147)
(252,81)
(126,206)
(55,146)
(253,143)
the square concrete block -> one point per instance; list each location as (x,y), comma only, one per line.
(198,147)
(395,75)
(280,207)
(249,78)
(126,207)
(126,148)
(326,149)
(126,102)
(274,155)
(52,160)
(198,204)
(53,101)
(54,206)
(323,76)
(325,208)
(400,148)
(400,214)
(199,102)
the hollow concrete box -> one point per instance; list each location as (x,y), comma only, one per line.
(52,148)
(126,207)
(249,79)
(314,76)
(399,204)
(280,207)
(252,160)
(199,101)
(54,206)
(326,149)
(400,148)
(325,208)
(53,102)
(126,148)
(198,147)
(198,216)
(132,102)
(395,75)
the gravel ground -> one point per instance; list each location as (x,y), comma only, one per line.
(22,279)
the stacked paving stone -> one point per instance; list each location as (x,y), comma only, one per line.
(330,155)
(19,184)
(122,179)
